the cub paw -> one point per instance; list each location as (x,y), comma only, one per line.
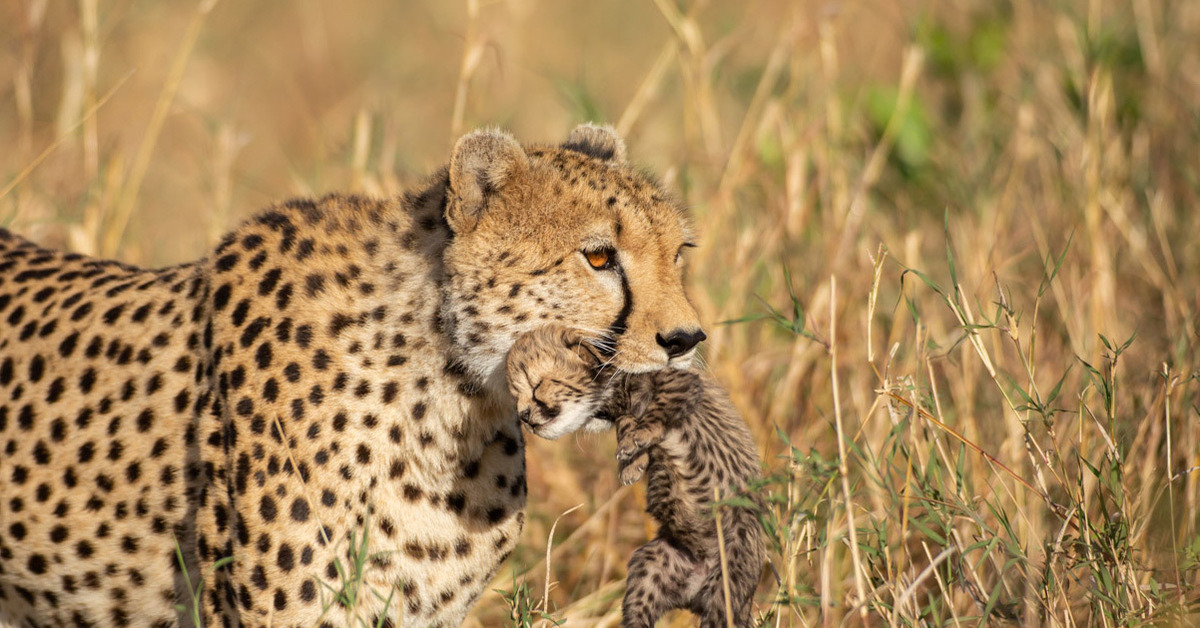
(634,438)
(631,472)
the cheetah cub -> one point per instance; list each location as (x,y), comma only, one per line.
(679,428)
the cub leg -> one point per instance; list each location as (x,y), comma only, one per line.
(657,582)
(743,568)
(634,438)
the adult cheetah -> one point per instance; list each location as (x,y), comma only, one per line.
(333,370)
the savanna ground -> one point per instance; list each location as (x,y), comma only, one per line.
(958,237)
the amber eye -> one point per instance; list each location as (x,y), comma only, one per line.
(601,259)
(679,254)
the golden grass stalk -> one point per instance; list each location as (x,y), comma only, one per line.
(724,562)
(647,89)
(843,467)
(473,49)
(914,61)
(46,152)
(549,553)
(115,229)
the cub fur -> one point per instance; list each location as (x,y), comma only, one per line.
(677,427)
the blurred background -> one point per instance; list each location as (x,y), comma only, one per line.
(947,261)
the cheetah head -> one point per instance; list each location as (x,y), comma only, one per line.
(568,234)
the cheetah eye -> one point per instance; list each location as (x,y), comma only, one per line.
(601,259)
(679,253)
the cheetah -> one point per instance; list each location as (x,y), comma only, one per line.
(310,426)
(677,426)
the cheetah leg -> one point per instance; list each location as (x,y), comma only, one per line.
(657,582)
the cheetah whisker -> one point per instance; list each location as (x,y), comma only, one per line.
(701,363)
(604,366)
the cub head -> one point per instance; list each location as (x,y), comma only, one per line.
(567,234)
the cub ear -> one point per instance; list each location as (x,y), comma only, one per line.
(482,163)
(599,141)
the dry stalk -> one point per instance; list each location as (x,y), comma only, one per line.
(696,72)
(89,24)
(942,586)
(228,144)
(61,139)
(843,467)
(35,13)
(360,152)
(549,548)
(648,88)
(877,261)
(929,570)
(724,561)
(976,448)
(473,48)
(115,230)
(1169,383)
(616,498)
(776,62)
(914,61)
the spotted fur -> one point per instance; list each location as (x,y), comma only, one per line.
(678,427)
(333,369)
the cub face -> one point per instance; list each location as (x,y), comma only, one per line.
(570,235)
(554,377)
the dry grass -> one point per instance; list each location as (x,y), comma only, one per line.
(972,207)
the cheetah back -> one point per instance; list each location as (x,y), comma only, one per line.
(98,369)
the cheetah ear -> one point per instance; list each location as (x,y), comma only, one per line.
(599,141)
(482,163)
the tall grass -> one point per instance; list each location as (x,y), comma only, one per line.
(958,239)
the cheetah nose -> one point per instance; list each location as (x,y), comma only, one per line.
(680,341)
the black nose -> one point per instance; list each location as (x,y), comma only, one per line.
(680,341)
